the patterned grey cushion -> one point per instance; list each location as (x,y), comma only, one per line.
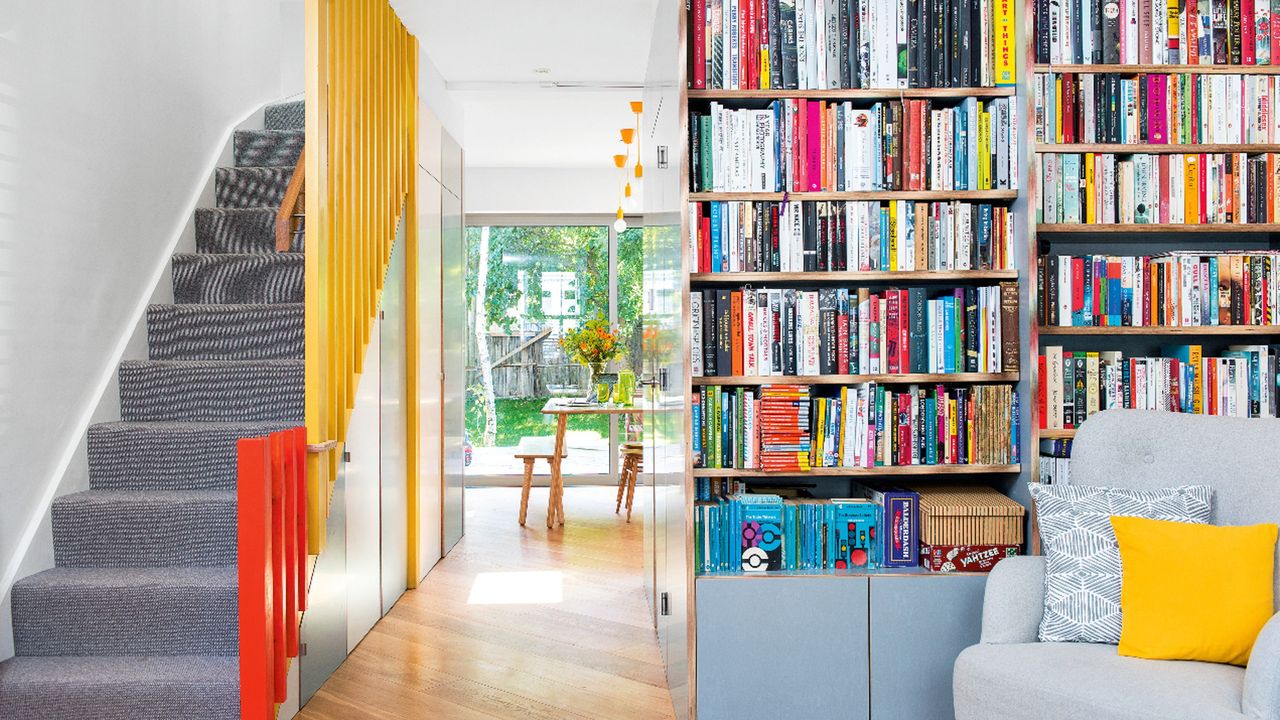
(1082,579)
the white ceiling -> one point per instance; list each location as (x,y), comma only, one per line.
(595,52)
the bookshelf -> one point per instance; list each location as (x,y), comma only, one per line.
(1207,235)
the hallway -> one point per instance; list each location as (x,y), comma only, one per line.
(515,623)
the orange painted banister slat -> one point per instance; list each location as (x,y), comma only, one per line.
(277,565)
(254,574)
(300,491)
(289,540)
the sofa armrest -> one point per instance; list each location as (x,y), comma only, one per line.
(1262,677)
(1014,601)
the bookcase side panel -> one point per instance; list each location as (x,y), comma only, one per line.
(756,660)
(921,624)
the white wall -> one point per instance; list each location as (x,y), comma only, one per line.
(545,191)
(111,115)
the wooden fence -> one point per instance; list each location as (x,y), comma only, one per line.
(528,365)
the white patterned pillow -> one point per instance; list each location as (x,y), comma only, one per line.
(1082,576)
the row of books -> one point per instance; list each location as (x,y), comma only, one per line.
(864,425)
(801,145)
(762,532)
(1181,289)
(1156,108)
(1158,32)
(1055,461)
(836,331)
(857,235)
(1190,189)
(822,44)
(1240,382)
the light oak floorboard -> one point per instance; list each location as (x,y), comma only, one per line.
(593,654)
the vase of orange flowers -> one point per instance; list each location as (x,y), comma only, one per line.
(594,344)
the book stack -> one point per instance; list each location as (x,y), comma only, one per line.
(784,428)
(747,533)
(895,235)
(1194,32)
(1184,188)
(1178,289)
(836,331)
(863,426)
(1156,109)
(800,145)
(1241,382)
(821,44)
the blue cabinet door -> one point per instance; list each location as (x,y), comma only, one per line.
(920,623)
(782,647)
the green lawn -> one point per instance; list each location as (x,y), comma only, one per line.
(522,417)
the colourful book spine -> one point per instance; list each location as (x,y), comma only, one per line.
(1157,111)
(699,45)
(1248,32)
(813,156)
(1005,44)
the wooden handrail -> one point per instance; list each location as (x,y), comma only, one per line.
(291,205)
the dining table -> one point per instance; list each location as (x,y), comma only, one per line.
(562,408)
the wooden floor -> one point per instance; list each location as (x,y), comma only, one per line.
(574,641)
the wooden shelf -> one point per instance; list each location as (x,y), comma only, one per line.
(1234,228)
(855,93)
(1155,148)
(1227,330)
(938,195)
(856,472)
(1065,434)
(722,278)
(884,379)
(1134,69)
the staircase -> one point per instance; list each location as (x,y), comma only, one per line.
(138,619)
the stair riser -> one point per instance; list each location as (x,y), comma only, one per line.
(144,535)
(251,187)
(257,148)
(262,332)
(238,230)
(150,701)
(179,458)
(239,279)
(286,116)
(211,394)
(161,620)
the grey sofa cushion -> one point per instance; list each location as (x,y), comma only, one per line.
(1071,681)
(1082,578)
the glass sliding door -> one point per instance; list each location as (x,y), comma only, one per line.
(529,281)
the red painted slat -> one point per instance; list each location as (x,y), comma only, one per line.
(279,667)
(255,577)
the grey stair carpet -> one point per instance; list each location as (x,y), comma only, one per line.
(126,611)
(286,116)
(116,528)
(268,148)
(169,455)
(139,688)
(139,618)
(251,187)
(225,332)
(211,390)
(240,279)
(238,230)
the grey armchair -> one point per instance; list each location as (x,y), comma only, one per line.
(1011,676)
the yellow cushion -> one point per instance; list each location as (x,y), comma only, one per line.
(1194,592)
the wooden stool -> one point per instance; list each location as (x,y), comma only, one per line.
(632,461)
(529,450)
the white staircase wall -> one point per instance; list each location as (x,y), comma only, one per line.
(111,118)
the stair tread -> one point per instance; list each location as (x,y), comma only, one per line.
(146,497)
(294,256)
(130,578)
(229,364)
(290,114)
(193,426)
(200,308)
(105,670)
